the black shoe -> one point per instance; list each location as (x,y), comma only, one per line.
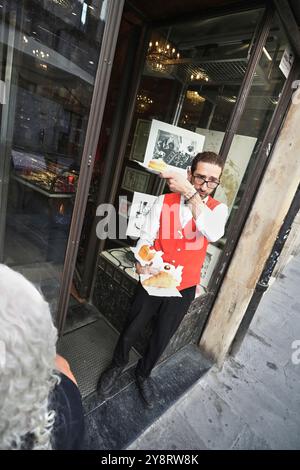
(147,389)
(108,378)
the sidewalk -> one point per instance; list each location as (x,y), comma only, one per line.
(254,402)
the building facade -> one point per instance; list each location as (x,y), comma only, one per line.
(81,83)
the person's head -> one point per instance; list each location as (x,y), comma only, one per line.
(205,172)
(27,354)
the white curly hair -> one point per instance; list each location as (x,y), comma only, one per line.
(27,363)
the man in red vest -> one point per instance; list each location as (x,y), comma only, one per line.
(181,224)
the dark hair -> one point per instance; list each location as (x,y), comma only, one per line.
(208,157)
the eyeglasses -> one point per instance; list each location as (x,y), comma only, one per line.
(211,184)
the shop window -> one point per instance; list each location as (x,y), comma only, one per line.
(269,79)
(191,79)
(49,54)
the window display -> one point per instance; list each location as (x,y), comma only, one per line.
(51,174)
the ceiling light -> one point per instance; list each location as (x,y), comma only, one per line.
(161,57)
(194,97)
(199,75)
(143,102)
(267,54)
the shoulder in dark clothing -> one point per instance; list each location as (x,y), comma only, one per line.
(68,430)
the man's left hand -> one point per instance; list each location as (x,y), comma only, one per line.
(177,182)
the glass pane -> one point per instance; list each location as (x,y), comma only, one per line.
(197,86)
(261,103)
(49,55)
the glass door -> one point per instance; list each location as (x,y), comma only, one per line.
(49,55)
(245,151)
(196,90)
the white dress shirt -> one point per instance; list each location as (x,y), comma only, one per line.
(211,222)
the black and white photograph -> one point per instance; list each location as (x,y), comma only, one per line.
(141,205)
(175,146)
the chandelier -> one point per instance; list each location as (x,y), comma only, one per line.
(160,57)
(200,75)
(143,102)
(194,97)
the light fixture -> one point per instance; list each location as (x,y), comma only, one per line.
(143,102)
(40,54)
(200,75)
(161,57)
(267,54)
(194,97)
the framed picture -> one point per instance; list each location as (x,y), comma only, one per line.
(236,163)
(174,145)
(135,180)
(141,205)
(140,140)
(212,256)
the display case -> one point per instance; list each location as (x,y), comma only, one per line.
(51,175)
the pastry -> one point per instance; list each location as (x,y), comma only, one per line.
(162,279)
(145,253)
(158,165)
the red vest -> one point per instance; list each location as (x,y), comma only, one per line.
(184,246)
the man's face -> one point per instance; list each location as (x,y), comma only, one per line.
(205,171)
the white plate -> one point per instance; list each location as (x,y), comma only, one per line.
(161,292)
(155,172)
(164,291)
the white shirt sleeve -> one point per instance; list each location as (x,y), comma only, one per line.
(151,224)
(211,222)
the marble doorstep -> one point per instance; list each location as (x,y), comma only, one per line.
(115,423)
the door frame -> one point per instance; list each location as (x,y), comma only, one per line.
(106,56)
(108,190)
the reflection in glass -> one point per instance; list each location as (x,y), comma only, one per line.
(49,54)
(260,106)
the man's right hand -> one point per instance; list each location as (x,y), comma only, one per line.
(145,269)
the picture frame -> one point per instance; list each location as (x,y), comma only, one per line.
(237,161)
(140,140)
(140,207)
(174,145)
(135,180)
(212,256)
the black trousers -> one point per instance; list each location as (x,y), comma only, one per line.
(168,313)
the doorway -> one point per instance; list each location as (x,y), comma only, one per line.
(199,91)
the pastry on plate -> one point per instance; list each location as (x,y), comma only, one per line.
(162,279)
(158,164)
(145,253)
